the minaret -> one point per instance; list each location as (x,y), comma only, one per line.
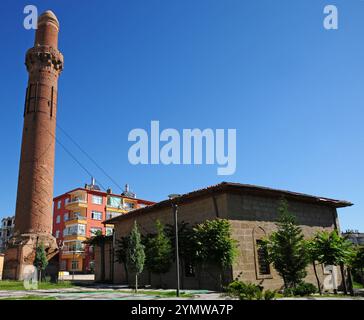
(33,216)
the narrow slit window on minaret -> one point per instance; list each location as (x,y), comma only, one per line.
(52,101)
(26,100)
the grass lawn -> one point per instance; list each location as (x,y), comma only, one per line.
(357,285)
(18,285)
(30,297)
(159,293)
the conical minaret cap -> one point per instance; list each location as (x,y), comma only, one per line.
(48,16)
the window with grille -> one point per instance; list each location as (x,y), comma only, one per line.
(262,255)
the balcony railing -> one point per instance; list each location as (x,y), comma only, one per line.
(77,200)
(74,233)
(79,217)
(70,251)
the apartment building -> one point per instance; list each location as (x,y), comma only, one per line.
(6,231)
(78,215)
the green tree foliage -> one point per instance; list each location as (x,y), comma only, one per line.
(358,264)
(286,248)
(332,249)
(186,244)
(214,243)
(40,260)
(358,259)
(99,240)
(158,249)
(121,252)
(135,255)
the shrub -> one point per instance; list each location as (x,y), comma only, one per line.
(269,295)
(302,289)
(248,291)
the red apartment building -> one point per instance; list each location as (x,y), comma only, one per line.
(78,215)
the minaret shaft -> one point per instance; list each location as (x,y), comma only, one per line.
(33,215)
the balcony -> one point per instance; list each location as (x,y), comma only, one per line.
(74,235)
(78,199)
(76,219)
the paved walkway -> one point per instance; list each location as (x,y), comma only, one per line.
(83,293)
(119,292)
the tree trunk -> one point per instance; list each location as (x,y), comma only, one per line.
(136,282)
(182,274)
(284,282)
(222,278)
(199,275)
(317,278)
(351,289)
(102,251)
(343,278)
(126,273)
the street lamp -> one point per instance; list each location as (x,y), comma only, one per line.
(175,209)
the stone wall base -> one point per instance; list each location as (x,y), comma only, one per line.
(21,252)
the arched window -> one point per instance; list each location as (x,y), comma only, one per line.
(262,266)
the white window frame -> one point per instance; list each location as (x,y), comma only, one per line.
(98,212)
(96,199)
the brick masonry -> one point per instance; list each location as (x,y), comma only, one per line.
(33,217)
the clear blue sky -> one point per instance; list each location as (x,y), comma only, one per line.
(293,90)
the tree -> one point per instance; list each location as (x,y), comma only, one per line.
(121,252)
(215,245)
(40,260)
(332,249)
(358,263)
(99,240)
(286,248)
(187,245)
(158,249)
(135,255)
(313,254)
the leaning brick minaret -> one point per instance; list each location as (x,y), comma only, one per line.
(33,216)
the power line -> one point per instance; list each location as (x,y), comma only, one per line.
(73,157)
(90,158)
(78,162)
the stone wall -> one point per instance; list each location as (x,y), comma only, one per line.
(251,217)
